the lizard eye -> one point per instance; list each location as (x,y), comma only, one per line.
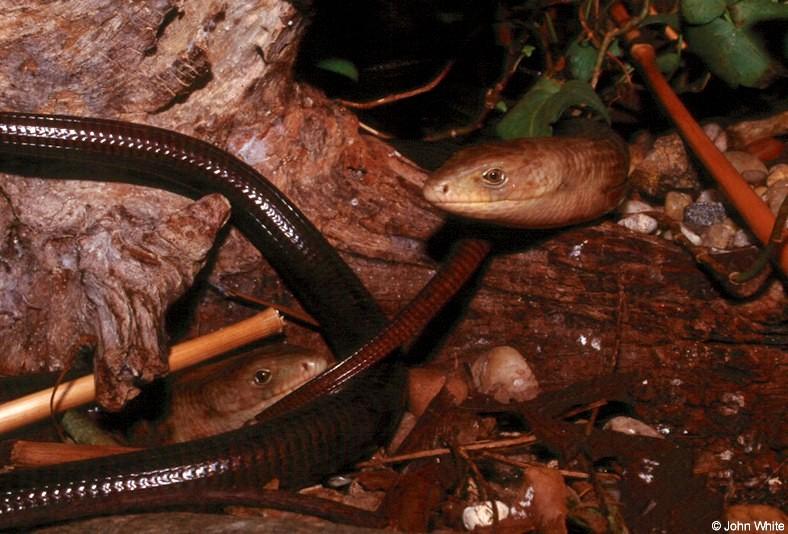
(494,177)
(262,376)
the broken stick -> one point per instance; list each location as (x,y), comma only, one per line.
(36,406)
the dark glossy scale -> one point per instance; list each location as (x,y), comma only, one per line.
(309,266)
(298,449)
(468,254)
(334,421)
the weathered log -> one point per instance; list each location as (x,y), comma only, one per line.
(577,303)
(105,283)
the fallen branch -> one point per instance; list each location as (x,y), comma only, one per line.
(36,406)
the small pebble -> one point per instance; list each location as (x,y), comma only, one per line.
(504,374)
(640,223)
(665,167)
(338,481)
(481,515)
(719,236)
(751,168)
(776,195)
(704,213)
(634,206)
(741,239)
(675,204)
(632,426)
(717,135)
(692,236)
(639,146)
(730,223)
(709,195)
(778,173)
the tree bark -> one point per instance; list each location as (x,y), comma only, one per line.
(578,303)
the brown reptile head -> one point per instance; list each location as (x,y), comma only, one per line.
(533,183)
(225,395)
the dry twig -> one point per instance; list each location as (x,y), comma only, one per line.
(36,406)
(476,446)
(395,97)
(22,453)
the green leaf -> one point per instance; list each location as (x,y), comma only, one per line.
(528,50)
(668,63)
(582,58)
(748,12)
(543,105)
(340,66)
(615,48)
(731,53)
(524,120)
(702,11)
(576,93)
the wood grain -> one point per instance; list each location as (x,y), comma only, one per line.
(578,303)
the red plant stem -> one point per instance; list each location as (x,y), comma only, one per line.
(753,210)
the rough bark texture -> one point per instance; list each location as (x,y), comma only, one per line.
(75,277)
(578,303)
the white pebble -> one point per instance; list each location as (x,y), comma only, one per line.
(633,206)
(640,223)
(504,374)
(741,239)
(776,194)
(751,168)
(481,515)
(730,223)
(708,195)
(719,236)
(634,427)
(692,236)
(777,173)
(717,135)
(338,481)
